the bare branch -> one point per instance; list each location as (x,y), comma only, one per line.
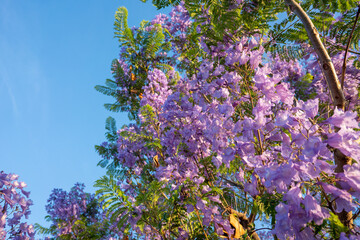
(347,49)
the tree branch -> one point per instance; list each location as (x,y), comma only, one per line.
(327,66)
(338,46)
(232,183)
(347,49)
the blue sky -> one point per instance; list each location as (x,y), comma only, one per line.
(52,54)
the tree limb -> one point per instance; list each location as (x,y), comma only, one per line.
(327,66)
(347,49)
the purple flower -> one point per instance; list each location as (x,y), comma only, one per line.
(310,107)
(189,208)
(226,109)
(283,119)
(342,198)
(343,119)
(286,96)
(201,204)
(346,141)
(314,211)
(283,228)
(14,206)
(251,187)
(351,178)
(221,93)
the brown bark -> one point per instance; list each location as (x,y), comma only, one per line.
(341,160)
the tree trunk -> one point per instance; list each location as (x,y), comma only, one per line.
(334,86)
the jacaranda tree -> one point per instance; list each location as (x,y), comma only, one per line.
(76,215)
(245,122)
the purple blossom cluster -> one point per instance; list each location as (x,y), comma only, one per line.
(179,21)
(67,209)
(156,93)
(351,83)
(14,206)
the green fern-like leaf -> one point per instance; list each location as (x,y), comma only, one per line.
(45,231)
(120,24)
(112,197)
(105,90)
(111,125)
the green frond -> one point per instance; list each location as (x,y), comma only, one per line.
(114,107)
(103,163)
(112,197)
(111,83)
(111,125)
(43,230)
(287,52)
(106,90)
(120,24)
(163,3)
(154,41)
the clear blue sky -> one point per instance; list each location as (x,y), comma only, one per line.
(52,54)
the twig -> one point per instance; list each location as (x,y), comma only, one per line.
(258,229)
(162,235)
(347,49)
(268,43)
(356,214)
(330,205)
(253,106)
(232,183)
(338,46)
(198,215)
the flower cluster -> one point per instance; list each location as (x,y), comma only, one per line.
(351,83)
(14,205)
(78,215)
(67,207)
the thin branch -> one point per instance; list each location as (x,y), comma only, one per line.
(253,106)
(258,229)
(330,205)
(198,215)
(347,49)
(232,183)
(351,51)
(338,46)
(154,228)
(277,35)
(356,214)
